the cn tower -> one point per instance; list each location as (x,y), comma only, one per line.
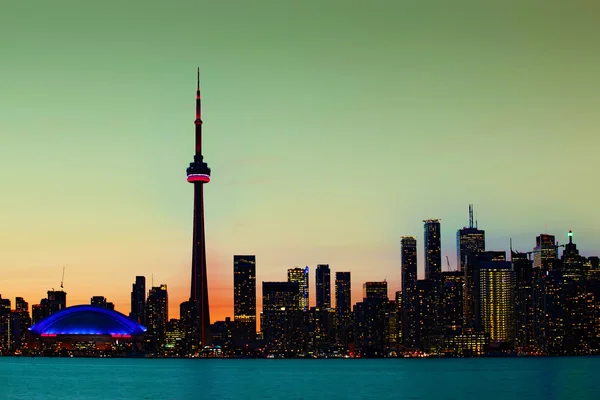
(198,174)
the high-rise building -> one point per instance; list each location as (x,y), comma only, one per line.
(495,303)
(425,314)
(433,253)
(138,300)
(469,240)
(157,315)
(524,306)
(573,264)
(196,319)
(375,291)
(471,294)
(282,319)
(544,252)
(300,275)
(343,306)
(452,298)
(409,290)
(323,286)
(99,301)
(57,300)
(21,304)
(244,291)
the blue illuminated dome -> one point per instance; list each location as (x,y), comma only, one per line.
(87,320)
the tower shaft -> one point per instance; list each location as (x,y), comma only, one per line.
(198,311)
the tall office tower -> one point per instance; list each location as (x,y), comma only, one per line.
(323,286)
(495,300)
(196,312)
(244,292)
(300,275)
(282,320)
(138,300)
(409,289)
(375,291)
(371,320)
(433,252)
(21,304)
(524,306)
(573,264)
(5,317)
(452,298)
(544,252)
(157,315)
(470,291)
(469,240)
(594,271)
(343,306)
(57,300)
(425,314)
(433,266)
(39,311)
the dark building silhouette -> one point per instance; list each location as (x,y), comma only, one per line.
(409,290)
(544,252)
(157,315)
(524,305)
(138,300)
(573,264)
(196,313)
(282,320)
(100,301)
(371,320)
(425,314)
(433,267)
(452,298)
(21,304)
(323,286)
(244,293)
(343,307)
(300,275)
(469,240)
(375,291)
(57,300)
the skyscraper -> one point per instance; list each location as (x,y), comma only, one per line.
(495,303)
(433,267)
(138,300)
(197,311)
(469,240)
(433,252)
(323,284)
(300,275)
(544,252)
(157,315)
(375,291)
(343,306)
(244,291)
(409,289)
(21,304)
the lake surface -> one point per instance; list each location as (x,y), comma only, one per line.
(461,379)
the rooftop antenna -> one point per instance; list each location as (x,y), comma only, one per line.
(152,280)
(63,279)
(471,216)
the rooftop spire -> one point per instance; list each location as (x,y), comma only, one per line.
(198,110)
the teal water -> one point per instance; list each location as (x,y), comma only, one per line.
(461,379)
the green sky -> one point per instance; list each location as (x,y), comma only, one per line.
(332,128)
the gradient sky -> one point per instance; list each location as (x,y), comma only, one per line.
(332,128)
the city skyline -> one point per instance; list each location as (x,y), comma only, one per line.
(421,131)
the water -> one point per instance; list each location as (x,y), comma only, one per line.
(463,379)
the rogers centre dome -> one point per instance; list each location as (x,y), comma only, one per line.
(87,320)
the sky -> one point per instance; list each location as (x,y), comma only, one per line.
(332,129)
